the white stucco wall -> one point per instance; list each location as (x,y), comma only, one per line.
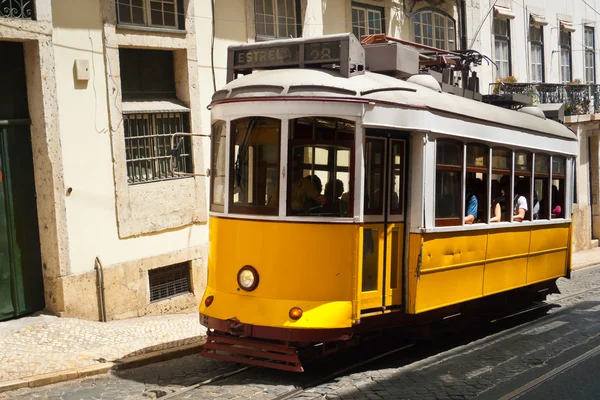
(86,146)
(575,11)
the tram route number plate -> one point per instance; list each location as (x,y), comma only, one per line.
(288,54)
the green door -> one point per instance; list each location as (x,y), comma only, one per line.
(21,284)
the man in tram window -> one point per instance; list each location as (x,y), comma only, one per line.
(471,203)
(520,205)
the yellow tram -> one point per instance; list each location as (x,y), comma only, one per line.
(340,200)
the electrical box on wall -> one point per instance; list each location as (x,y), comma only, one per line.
(82,70)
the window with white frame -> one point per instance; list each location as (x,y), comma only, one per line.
(536,43)
(151,13)
(276,18)
(502,47)
(566,73)
(434,28)
(366,20)
(590,60)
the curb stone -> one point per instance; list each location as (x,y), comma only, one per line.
(72,374)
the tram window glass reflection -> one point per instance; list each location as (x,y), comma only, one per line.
(254,181)
(541,174)
(557,196)
(523,205)
(321,167)
(476,203)
(217,173)
(501,177)
(397,178)
(448,182)
(374,168)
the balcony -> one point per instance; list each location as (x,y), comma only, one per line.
(578,99)
(20,9)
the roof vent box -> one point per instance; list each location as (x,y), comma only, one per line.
(392,58)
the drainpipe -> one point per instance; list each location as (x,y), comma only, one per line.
(463,38)
(100,288)
(463,17)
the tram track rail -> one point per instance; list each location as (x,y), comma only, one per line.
(387,353)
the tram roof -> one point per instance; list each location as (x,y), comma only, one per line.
(295,82)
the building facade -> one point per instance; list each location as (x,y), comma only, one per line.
(98,223)
(548,51)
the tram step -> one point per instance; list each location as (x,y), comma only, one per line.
(254,352)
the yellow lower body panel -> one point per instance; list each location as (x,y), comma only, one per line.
(451,268)
(275,312)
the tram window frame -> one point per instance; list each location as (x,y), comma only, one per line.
(561,177)
(218,164)
(523,176)
(541,173)
(401,169)
(506,215)
(342,139)
(472,168)
(448,168)
(257,189)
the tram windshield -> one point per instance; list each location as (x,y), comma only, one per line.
(321,167)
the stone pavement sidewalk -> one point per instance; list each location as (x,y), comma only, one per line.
(42,349)
(586,258)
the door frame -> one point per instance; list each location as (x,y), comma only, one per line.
(384,297)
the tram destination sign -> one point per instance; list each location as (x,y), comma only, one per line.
(341,50)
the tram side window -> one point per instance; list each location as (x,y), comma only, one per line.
(557,196)
(476,210)
(523,205)
(217,174)
(541,186)
(321,164)
(254,181)
(449,166)
(501,205)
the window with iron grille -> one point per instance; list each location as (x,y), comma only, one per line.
(22,9)
(151,13)
(151,115)
(148,146)
(169,281)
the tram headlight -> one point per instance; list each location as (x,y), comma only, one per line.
(247,278)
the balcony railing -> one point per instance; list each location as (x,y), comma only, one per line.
(22,9)
(578,99)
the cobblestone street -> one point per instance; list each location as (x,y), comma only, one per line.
(486,367)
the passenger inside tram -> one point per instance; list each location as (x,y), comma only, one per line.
(556,206)
(333,194)
(471,204)
(520,204)
(305,195)
(496,209)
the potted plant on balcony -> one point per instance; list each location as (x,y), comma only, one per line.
(501,82)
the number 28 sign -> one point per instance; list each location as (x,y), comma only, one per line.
(321,51)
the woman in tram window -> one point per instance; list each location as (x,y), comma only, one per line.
(497,197)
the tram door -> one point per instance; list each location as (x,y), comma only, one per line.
(383,232)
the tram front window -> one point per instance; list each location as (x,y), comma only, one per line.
(320,165)
(254,181)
